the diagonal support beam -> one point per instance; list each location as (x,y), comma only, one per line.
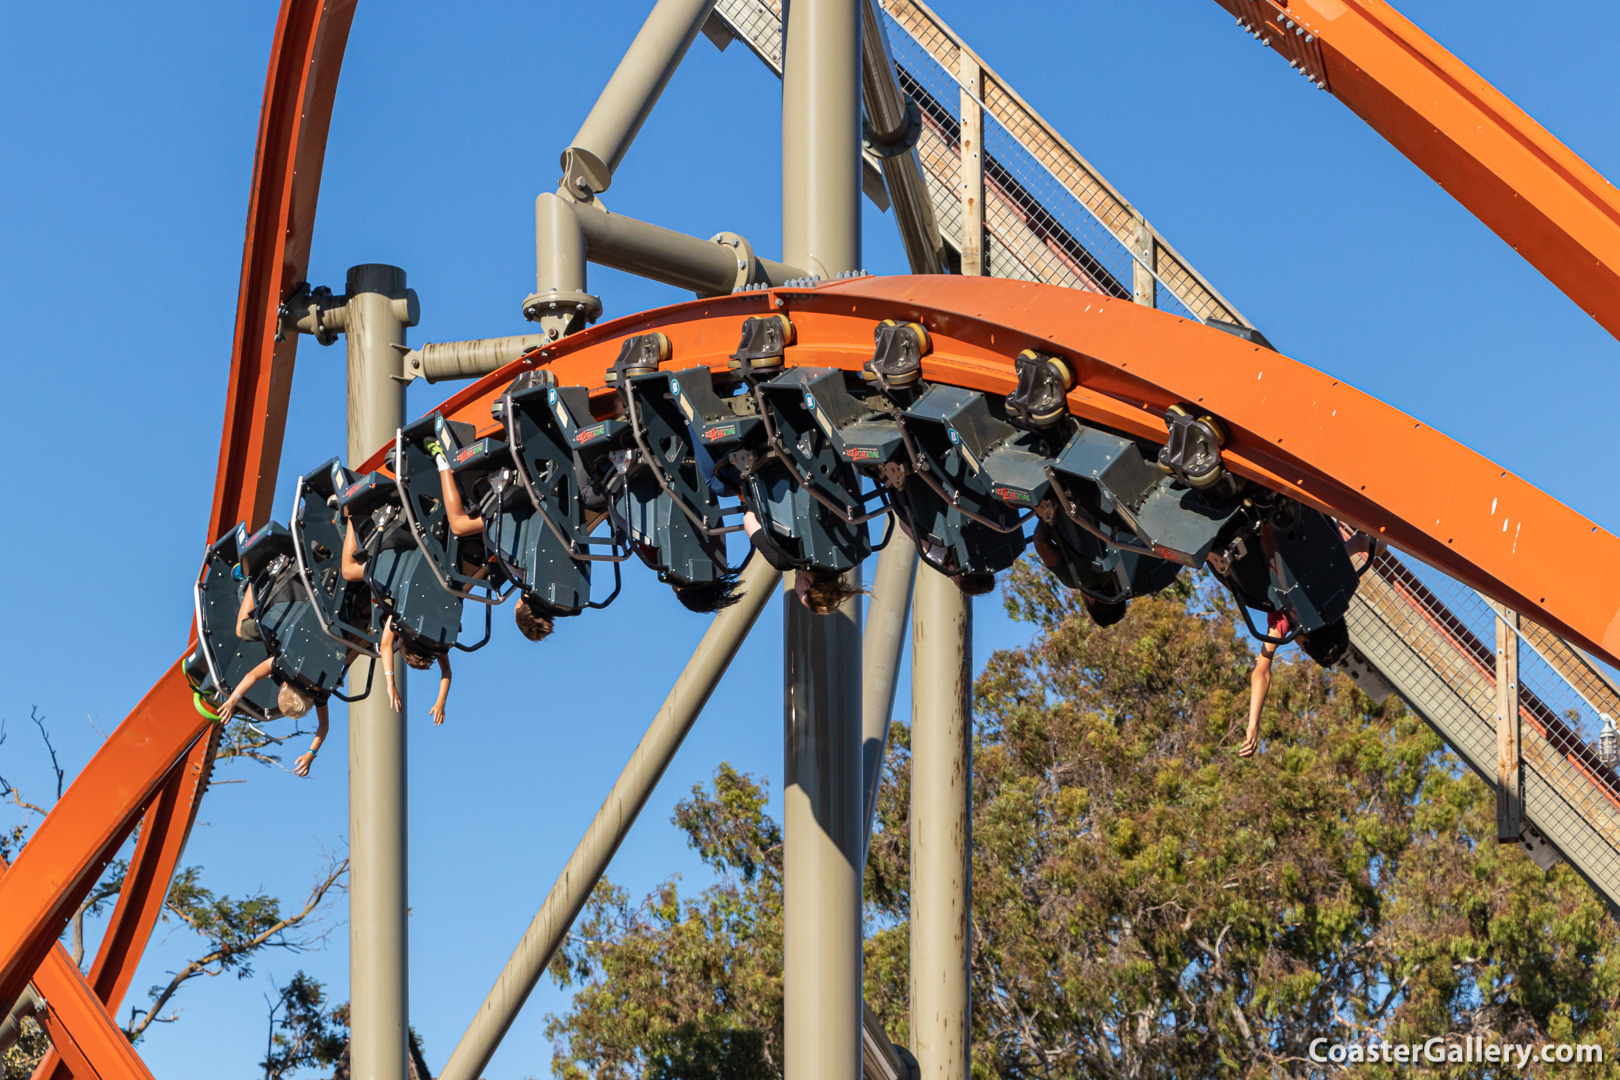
(883,641)
(611,824)
(164,830)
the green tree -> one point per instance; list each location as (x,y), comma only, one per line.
(684,991)
(1145,903)
(305,1030)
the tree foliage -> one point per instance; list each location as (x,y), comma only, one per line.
(673,990)
(305,1029)
(1145,903)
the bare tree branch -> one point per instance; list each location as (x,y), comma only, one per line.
(227,954)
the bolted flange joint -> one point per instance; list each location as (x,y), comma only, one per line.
(562,312)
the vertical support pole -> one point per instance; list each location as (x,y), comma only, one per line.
(1509,764)
(821,662)
(941,836)
(822,842)
(972,80)
(880,662)
(1145,287)
(821,136)
(377,314)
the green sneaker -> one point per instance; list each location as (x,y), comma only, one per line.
(435,449)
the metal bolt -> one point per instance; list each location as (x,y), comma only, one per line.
(1309,38)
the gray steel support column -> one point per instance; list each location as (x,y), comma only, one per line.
(821,663)
(711,267)
(626,101)
(941,837)
(885,638)
(440,361)
(821,135)
(822,840)
(612,822)
(559,302)
(30,1004)
(376,317)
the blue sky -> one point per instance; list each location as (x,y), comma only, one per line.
(123,189)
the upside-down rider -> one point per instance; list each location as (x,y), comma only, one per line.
(417,653)
(534,617)
(1356,544)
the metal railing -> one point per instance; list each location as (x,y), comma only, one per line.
(1049,215)
(1432,639)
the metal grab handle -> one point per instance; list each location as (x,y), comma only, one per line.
(920,468)
(365,645)
(658,473)
(362,695)
(775,443)
(417,532)
(514,444)
(1244,608)
(618,583)
(208,649)
(474,648)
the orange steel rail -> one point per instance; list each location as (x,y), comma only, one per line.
(1534,192)
(84,1037)
(163,832)
(1293,428)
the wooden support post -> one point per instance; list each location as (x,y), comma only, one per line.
(1509,765)
(1144,287)
(972,165)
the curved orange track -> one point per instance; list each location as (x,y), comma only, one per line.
(1293,429)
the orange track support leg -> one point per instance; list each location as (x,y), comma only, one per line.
(1507,170)
(67,853)
(86,1041)
(84,1034)
(163,833)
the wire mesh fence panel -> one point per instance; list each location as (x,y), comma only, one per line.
(1051,198)
(759,24)
(1435,640)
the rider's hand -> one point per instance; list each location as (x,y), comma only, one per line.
(437,712)
(301,766)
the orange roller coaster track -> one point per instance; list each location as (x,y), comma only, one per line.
(1292,428)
